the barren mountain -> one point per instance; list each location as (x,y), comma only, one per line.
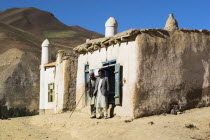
(22,31)
(20,53)
(45,24)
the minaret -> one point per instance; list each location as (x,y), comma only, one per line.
(111,26)
(171,23)
(45,52)
(45,58)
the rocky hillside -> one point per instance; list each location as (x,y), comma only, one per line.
(22,31)
(19,66)
(45,24)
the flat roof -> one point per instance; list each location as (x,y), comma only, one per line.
(126,36)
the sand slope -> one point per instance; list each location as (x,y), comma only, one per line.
(60,127)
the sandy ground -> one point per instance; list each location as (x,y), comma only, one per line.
(80,126)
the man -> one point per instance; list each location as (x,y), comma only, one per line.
(101,93)
(90,89)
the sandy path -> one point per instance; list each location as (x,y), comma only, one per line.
(169,127)
(20,129)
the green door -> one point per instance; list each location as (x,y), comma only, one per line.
(117,85)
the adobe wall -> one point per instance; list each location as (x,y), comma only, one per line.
(65,85)
(173,68)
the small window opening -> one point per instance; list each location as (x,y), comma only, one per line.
(50,92)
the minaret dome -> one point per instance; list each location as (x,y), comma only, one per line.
(111,26)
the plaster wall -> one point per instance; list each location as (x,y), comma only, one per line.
(42,93)
(59,86)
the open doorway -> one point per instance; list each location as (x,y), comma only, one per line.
(109,72)
(114,73)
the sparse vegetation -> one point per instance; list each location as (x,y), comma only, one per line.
(59,34)
(15,112)
(191,126)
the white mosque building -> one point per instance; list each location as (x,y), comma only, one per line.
(143,68)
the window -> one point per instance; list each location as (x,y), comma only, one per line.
(51,92)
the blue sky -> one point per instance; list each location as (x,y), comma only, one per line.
(92,14)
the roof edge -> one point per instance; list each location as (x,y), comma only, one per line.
(96,44)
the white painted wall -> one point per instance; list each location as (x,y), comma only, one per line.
(126,55)
(41,93)
(49,78)
(59,85)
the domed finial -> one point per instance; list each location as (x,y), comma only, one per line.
(45,43)
(111,22)
(111,26)
(171,23)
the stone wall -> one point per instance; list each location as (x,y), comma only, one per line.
(70,71)
(173,70)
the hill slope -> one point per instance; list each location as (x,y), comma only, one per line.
(45,24)
(22,31)
(20,53)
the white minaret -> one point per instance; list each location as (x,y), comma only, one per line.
(45,58)
(111,26)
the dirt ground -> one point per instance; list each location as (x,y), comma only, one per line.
(80,126)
